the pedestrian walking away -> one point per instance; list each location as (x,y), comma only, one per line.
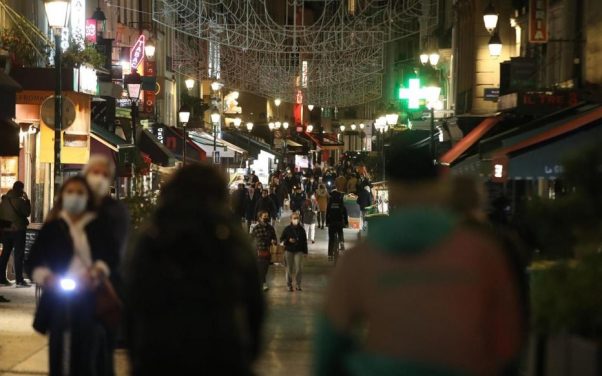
(308,217)
(71,259)
(15,208)
(322,196)
(336,219)
(423,294)
(194,303)
(264,236)
(294,240)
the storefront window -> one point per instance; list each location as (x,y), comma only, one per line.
(9,172)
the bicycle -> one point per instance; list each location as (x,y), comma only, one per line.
(335,246)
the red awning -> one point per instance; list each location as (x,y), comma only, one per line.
(470,139)
(569,126)
(501,158)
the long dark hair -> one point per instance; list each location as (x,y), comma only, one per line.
(58,202)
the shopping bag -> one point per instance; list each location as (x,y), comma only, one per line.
(277,252)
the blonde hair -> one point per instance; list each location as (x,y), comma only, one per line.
(96,159)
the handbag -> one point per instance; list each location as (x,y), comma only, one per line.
(109,307)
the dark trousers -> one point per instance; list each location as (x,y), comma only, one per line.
(13,241)
(89,353)
(332,230)
(321,219)
(263,265)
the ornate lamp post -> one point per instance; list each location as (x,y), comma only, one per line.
(57,12)
(184,117)
(133,84)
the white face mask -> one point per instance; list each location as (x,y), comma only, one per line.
(295,221)
(99,184)
(74,203)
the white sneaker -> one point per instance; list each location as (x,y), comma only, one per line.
(265,287)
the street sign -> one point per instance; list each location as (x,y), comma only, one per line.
(216,157)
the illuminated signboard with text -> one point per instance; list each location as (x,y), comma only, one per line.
(137,53)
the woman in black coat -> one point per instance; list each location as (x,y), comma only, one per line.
(194,301)
(72,254)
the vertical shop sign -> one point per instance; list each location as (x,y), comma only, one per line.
(149,95)
(304,74)
(137,53)
(91,30)
(78,21)
(538,21)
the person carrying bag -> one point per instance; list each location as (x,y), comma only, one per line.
(15,207)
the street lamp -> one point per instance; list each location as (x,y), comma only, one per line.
(237,121)
(392,118)
(310,107)
(434,58)
(285,125)
(342,128)
(277,125)
(101,21)
(310,128)
(133,84)
(249,126)
(490,18)
(149,48)
(216,85)
(271,125)
(495,45)
(362,125)
(277,102)
(353,127)
(424,58)
(189,82)
(57,12)
(184,117)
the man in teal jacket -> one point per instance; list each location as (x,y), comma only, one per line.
(423,295)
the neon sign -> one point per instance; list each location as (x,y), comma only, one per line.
(137,53)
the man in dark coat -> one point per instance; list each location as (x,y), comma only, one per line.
(336,220)
(14,209)
(250,203)
(265,203)
(238,201)
(297,199)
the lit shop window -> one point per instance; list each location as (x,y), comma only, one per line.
(9,171)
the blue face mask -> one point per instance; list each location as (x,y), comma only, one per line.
(74,203)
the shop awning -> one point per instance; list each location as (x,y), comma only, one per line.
(252,145)
(540,154)
(175,141)
(158,152)
(205,141)
(326,142)
(109,139)
(470,139)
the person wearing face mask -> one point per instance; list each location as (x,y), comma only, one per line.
(100,173)
(74,246)
(294,240)
(264,236)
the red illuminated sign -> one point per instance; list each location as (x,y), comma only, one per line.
(90,30)
(137,53)
(538,21)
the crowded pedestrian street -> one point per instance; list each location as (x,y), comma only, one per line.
(288,333)
(301,187)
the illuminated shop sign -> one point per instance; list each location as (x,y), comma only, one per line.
(91,30)
(137,53)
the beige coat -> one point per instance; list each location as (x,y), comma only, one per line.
(322,198)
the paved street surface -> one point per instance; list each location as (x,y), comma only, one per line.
(287,334)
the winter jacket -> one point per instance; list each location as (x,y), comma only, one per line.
(308,212)
(250,204)
(238,202)
(297,201)
(263,235)
(336,213)
(341,183)
(266,204)
(297,233)
(352,185)
(437,302)
(15,208)
(322,198)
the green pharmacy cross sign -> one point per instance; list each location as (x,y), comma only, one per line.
(414,93)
